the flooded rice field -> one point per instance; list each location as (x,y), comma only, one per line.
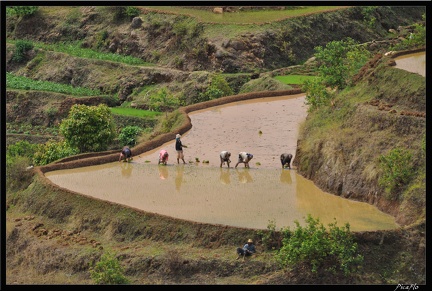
(201,191)
(414,63)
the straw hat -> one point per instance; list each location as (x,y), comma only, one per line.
(178,135)
(250,240)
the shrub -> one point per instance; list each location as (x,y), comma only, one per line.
(21,10)
(397,169)
(219,87)
(128,135)
(21,47)
(22,148)
(332,250)
(108,271)
(52,151)
(88,128)
(317,94)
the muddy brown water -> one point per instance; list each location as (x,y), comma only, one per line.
(203,192)
(414,63)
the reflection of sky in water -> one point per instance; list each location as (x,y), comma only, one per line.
(238,197)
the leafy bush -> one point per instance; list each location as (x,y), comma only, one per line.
(339,61)
(124,12)
(397,169)
(22,148)
(20,82)
(88,128)
(219,87)
(317,94)
(52,151)
(21,47)
(108,271)
(163,100)
(128,135)
(331,250)
(21,10)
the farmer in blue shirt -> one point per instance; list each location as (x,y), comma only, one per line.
(247,250)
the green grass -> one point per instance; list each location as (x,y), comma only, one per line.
(75,49)
(244,17)
(134,112)
(293,79)
(24,83)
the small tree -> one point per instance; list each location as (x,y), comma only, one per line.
(21,10)
(89,128)
(108,271)
(339,61)
(323,250)
(52,151)
(397,169)
(317,94)
(128,135)
(163,100)
(219,87)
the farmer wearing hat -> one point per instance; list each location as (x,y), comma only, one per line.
(179,148)
(247,250)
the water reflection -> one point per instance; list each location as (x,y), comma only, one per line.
(244,176)
(225,176)
(210,194)
(205,197)
(285,176)
(179,176)
(126,169)
(163,172)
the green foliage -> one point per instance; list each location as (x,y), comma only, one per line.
(24,83)
(317,94)
(21,47)
(397,169)
(75,49)
(21,10)
(131,11)
(134,112)
(108,271)
(294,79)
(369,18)
(52,151)
(88,128)
(219,87)
(21,148)
(415,39)
(253,16)
(123,12)
(163,100)
(340,61)
(128,135)
(333,250)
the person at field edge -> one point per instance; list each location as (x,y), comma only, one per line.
(247,250)
(126,154)
(179,148)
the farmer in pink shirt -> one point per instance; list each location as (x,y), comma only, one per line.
(163,157)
